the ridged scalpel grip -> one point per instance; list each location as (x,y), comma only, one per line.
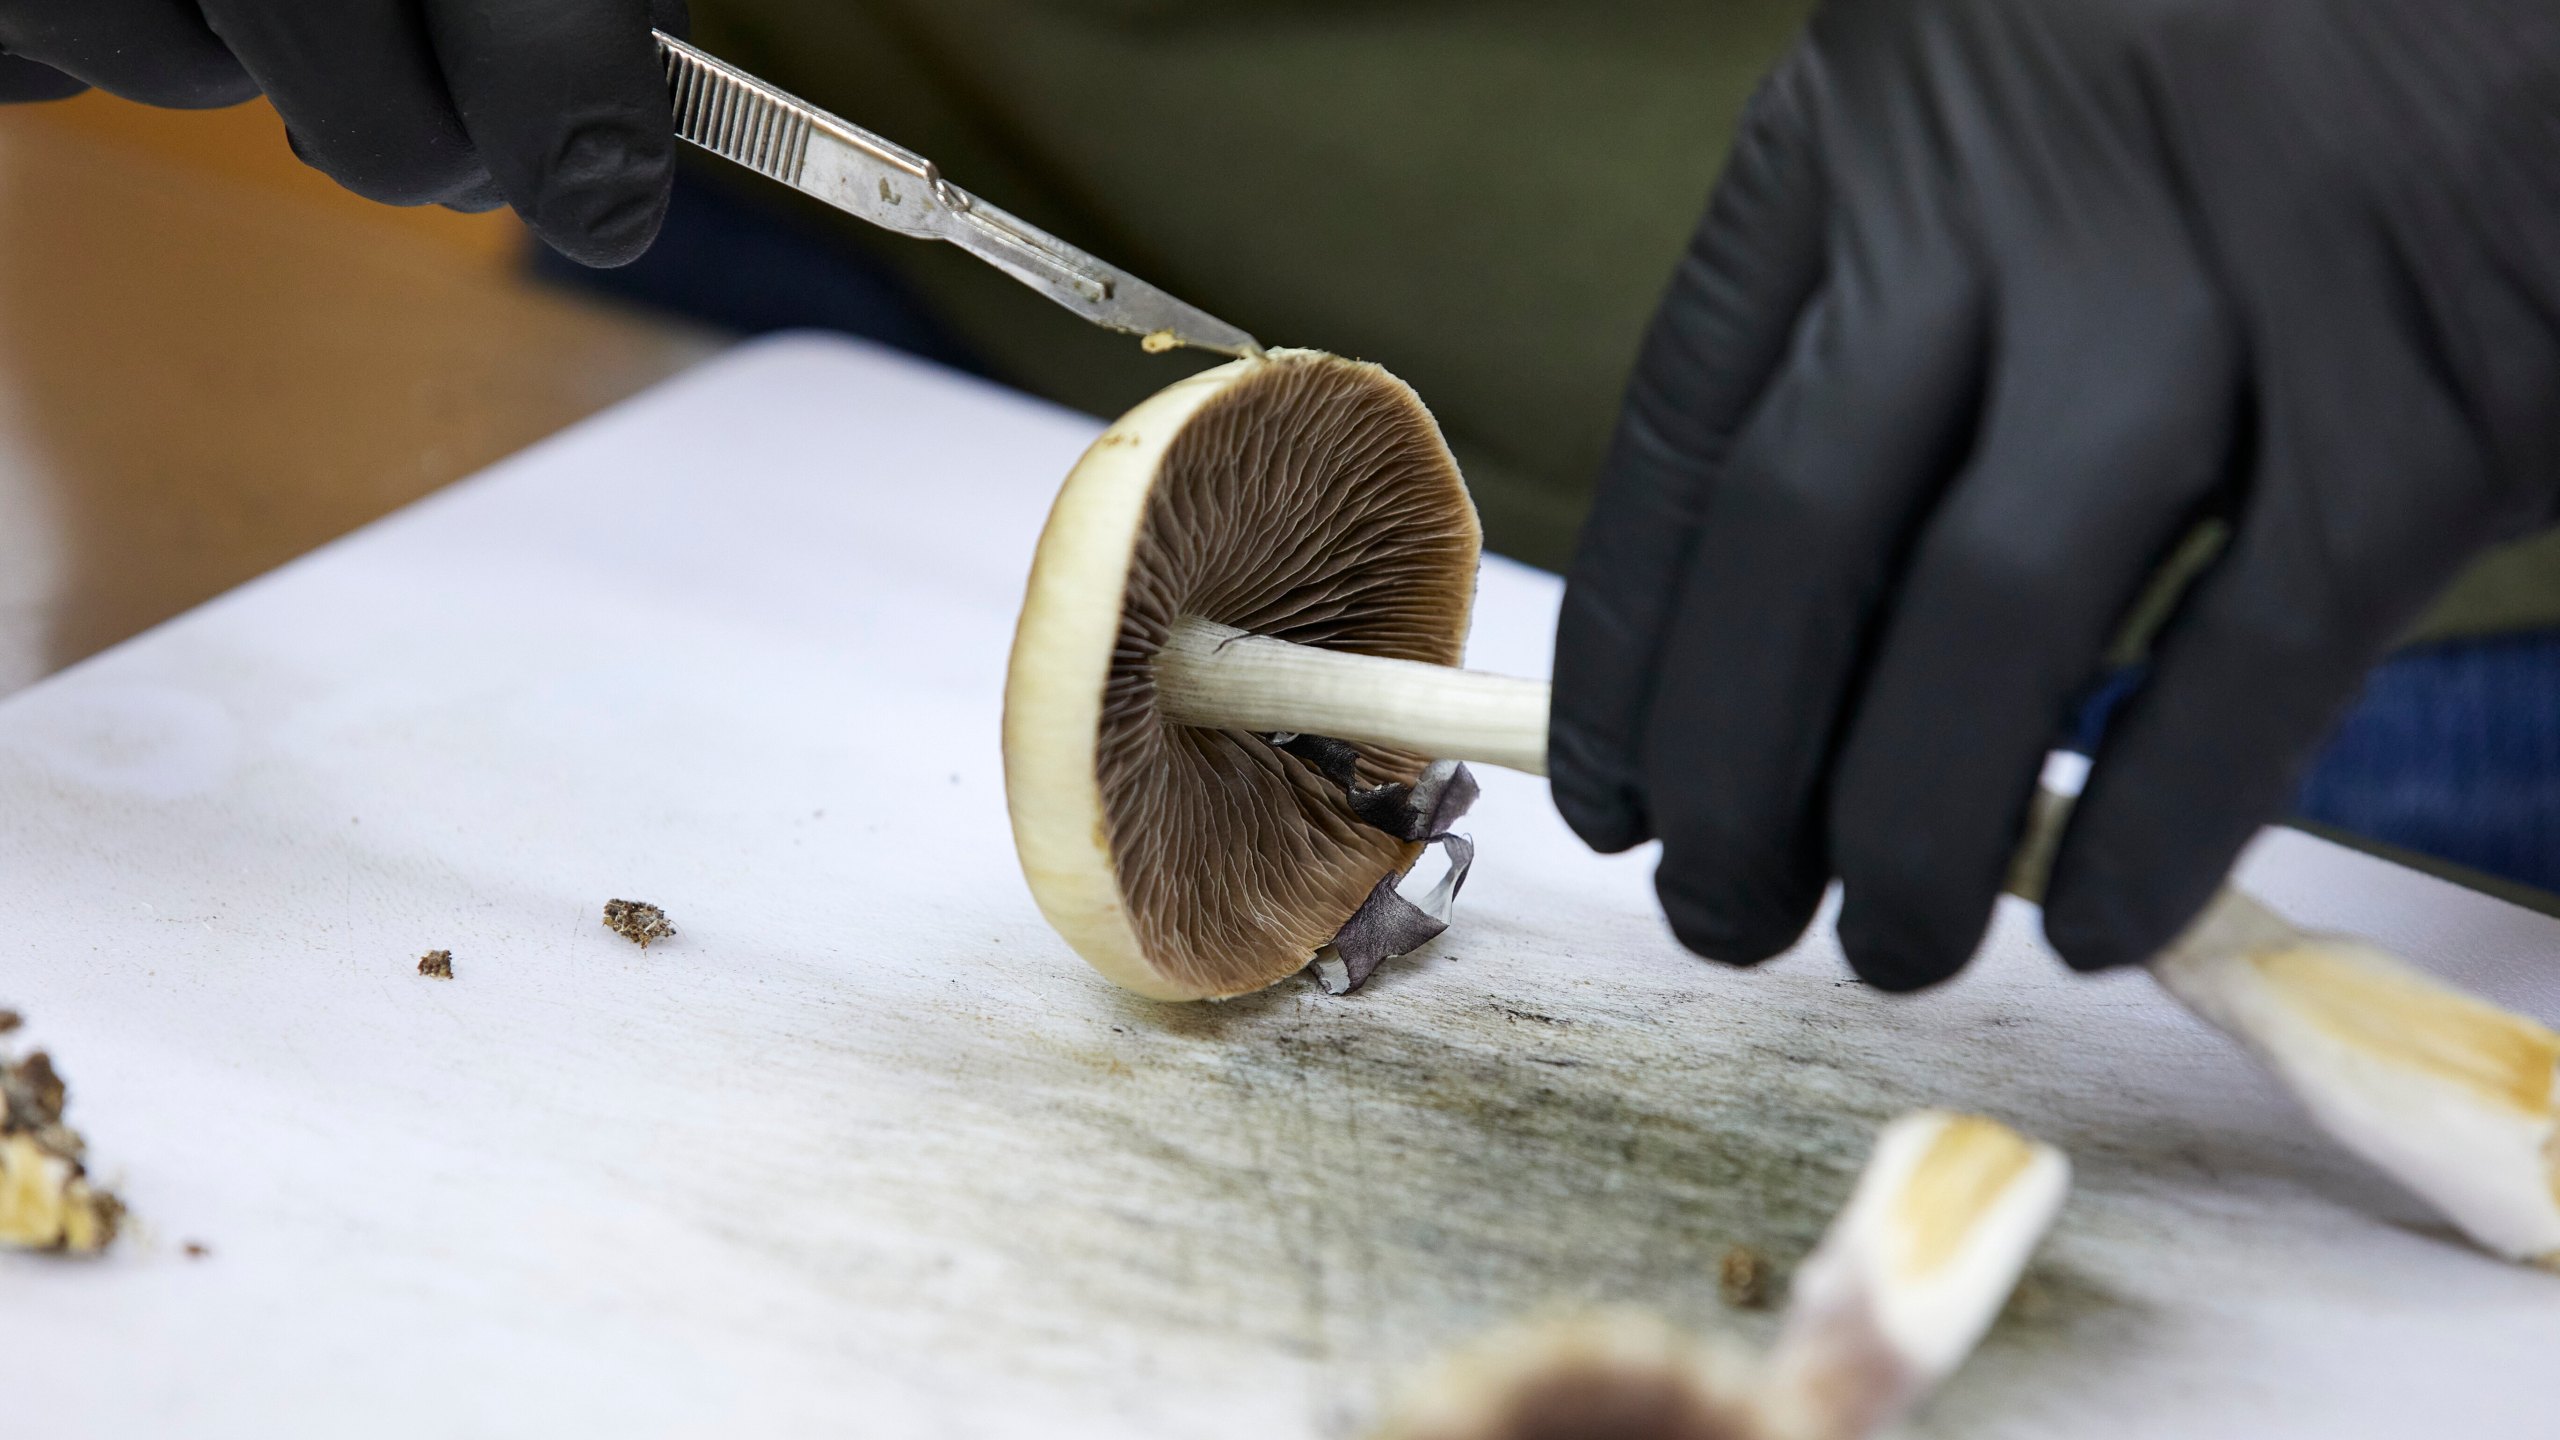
(734,117)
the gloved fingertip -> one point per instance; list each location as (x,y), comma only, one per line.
(1717,929)
(2095,936)
(1895,978)
(25,81)
(2099,921)
(478,198)
(1591,791)
(1900,954)
(2108,905)
(1713,937)
(605,194)
(1608,821)
(1606,816)
(209,80)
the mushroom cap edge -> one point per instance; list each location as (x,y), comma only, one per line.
(1053,690)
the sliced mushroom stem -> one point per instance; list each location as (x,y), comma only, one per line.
(1219,677)
(2454,1097)
(1911,1273)
(2451,1096)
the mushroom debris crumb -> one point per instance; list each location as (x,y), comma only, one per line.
(46,1200)
(1159,341)
(1743,1279)
(637,921)
(436,964)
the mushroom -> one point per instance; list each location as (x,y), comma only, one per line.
(1301,497)
(47,1201)
(1283,547)
(1900,1290)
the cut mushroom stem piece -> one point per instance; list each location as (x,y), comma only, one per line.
(1901,1289)
(1911,1274)
(2455,1098)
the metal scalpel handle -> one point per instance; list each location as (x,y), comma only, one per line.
(737,117)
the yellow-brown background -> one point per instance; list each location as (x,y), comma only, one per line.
(212,359)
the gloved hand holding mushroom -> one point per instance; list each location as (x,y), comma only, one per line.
(1281,551)
(1996,302)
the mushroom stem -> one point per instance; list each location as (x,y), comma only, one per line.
(1910,1274)
(2453,1097)
(1218,677)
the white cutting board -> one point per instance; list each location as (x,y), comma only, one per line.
(866,1151)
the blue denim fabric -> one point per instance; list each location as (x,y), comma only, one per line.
(2452,751)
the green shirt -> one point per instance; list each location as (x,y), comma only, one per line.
(1486,196)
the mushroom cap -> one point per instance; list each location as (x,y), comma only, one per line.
(1616,1374)
(1299,496)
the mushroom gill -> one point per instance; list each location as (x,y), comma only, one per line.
(1313,501)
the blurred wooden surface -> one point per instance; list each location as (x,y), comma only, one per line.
(213,359)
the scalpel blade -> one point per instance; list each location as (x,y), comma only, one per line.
(737,117)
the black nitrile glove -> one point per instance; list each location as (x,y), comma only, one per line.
(1996,300)
(557,107)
